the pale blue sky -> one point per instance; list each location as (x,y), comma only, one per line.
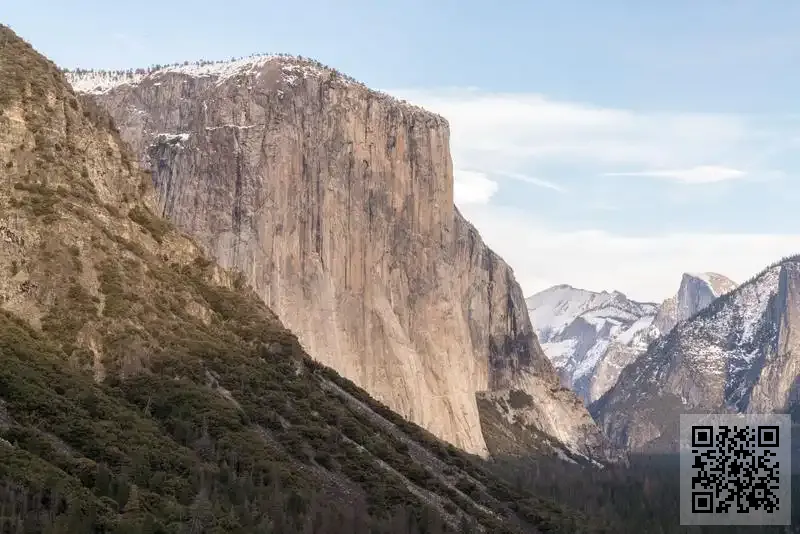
(607,144)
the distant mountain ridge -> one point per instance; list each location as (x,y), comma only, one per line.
(739,354)
(577,329)
(591,336)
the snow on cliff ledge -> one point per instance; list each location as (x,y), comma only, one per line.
(100,81)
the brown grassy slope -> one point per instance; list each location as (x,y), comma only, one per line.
(83,257)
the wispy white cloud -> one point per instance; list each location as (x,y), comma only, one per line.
(704,174)
(532,180)
(507,134)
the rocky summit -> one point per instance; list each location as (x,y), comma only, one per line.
(590,337)
(336,202)
(697,290)
(736,355)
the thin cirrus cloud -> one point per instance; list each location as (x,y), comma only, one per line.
(702,174)
(539,182)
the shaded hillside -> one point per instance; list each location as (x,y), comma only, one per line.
(143,389)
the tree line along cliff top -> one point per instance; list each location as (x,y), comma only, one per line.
(100,81)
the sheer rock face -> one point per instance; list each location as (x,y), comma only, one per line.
(697,290)
(337,204)
(739,355)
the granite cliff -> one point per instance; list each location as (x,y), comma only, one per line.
(697,290)
(336,202)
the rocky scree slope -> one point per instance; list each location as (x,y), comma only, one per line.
(590,337)
(145,389)
(336,202)
(739,354)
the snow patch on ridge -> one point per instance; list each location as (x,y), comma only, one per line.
(560,352)
(744,310)
(593,356)
(639,326)
(99,82)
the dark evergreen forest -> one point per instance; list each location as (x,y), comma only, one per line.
(642,497)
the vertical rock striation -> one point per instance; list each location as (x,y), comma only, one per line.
(336,202)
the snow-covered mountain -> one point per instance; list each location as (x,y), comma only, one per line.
(740,354)
(577,328)
(590,337)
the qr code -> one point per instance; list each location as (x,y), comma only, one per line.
(735,469)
